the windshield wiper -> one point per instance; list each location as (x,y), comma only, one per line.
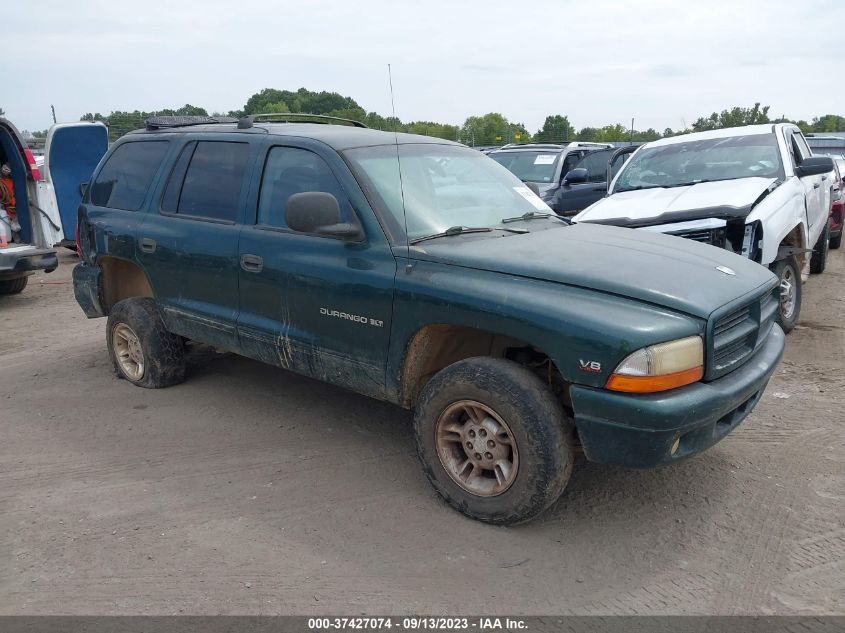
(461,230)
(534,215)
(687,184)
(638,188)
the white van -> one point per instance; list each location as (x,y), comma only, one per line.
(43,216)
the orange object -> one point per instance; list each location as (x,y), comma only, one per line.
(652,384)
(7,195)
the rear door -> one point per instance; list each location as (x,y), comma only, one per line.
(188,243)
(121,191)
(71,153)
(316,305)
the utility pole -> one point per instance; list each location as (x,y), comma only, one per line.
(632,130)
(53,110)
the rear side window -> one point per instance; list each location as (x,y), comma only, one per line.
(289,170)
(124,180)
(207,180)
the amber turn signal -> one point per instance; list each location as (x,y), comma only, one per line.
(652,384)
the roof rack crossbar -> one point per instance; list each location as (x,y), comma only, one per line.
(160,122)
(295,117)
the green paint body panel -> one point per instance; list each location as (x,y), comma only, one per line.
(346,312)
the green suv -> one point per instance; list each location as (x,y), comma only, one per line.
(423,273)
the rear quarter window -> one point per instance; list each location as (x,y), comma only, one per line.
(124,180)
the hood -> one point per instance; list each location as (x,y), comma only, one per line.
(722,199)
(660,269)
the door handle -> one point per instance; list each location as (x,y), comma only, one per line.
(148,245)
(816,186)
(252,263)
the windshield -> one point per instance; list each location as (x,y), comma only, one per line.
(443,186)
(689,163)
(528,166)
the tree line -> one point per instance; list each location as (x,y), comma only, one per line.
(492,128)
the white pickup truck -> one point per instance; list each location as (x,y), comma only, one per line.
(757,191)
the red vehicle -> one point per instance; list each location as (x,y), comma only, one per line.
(837,207)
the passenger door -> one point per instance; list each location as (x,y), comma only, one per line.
(188,244)
(316,305)
(815,189)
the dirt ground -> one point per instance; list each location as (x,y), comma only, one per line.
(250,490)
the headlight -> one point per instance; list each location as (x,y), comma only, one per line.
(660,367)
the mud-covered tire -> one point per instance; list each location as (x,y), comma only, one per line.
(836,240)
(163,353)
(788,272)
(543,437)
(818,261)
(13,286)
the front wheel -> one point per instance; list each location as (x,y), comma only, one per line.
(789,277)
(141,349)
(493,440)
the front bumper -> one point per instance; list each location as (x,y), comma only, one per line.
(20,260)
(638,431)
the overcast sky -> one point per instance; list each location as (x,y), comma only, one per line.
(663,62)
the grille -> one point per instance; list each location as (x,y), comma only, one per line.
(739,333)
(715,237)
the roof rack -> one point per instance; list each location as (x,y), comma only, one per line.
(160,122)
(295,117)
(550,145)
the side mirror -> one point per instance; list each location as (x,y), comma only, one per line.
(318,213)
(814,166)
(575,176)
(83,188)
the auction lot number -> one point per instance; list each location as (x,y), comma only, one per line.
(415,624)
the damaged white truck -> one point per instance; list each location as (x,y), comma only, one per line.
(38,204)
(757,191)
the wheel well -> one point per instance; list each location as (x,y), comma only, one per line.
(795,239)
(437,346)
(121,280)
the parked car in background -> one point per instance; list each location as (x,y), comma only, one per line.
(837,207)
(543,164)
(39,198)
(453,291)
(757,191)
(587,181)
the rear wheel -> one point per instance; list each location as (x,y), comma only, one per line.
(789,276)
(141,349)
(836,241)
(493,440)
(13,286)
(818,262)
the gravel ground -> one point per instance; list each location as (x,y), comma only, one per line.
(250,490)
